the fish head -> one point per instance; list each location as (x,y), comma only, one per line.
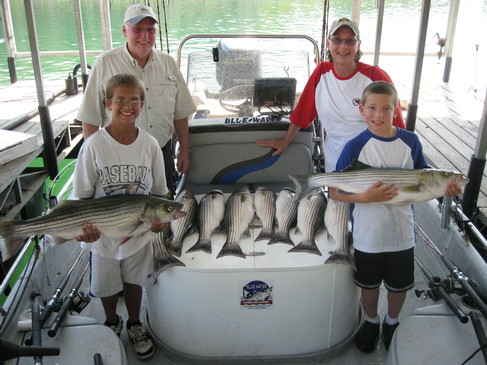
(164,210)
(436,180)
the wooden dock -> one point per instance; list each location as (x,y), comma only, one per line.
(448,115)
(19,182)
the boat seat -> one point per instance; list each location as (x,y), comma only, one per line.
(224,154)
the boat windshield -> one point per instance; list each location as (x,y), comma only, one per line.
(246,76)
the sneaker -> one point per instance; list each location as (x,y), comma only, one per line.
(367,336)
(387,332)
(117,328)
(142,344)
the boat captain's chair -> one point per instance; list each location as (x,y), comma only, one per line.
(224,154)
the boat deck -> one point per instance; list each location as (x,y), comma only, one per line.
(19,181)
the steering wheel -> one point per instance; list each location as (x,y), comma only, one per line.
(238,98)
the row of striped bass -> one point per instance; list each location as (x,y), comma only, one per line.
(415,185)
(117,217)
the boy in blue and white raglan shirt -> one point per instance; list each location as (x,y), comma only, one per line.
(383,234)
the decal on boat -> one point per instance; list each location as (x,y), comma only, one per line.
(256,295)
(231,174)
(247,120)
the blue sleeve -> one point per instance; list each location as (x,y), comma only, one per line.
(412,140)
(351,151)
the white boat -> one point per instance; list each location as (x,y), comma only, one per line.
(274,306)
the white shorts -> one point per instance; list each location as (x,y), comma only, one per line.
(108,275)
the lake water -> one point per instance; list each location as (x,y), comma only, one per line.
(56,28)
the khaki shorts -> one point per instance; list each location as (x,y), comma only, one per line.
(108,275)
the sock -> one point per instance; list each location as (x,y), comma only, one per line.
(113,324)
(374,320)
(390,321)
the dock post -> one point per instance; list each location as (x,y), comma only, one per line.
(50,155)
(413,105)
(476,168)
(450,36)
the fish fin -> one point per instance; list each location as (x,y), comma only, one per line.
(174,247)
(413,188)
(231,250)
(356,165)
(265,234)
(307,246)
(11,242)
(201,245)
(281,238)
(302,186)
(164,262)
(340,257)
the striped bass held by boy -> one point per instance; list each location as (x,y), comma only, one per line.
(415,185)
(117,217)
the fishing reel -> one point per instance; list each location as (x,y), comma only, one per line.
(80,301)
(448,285)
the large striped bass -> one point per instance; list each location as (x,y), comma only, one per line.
(116,216)
(415,185)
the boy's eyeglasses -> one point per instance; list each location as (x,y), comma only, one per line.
(349,41)
(123,102)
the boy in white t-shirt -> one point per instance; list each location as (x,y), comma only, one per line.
(383,234)
(121,159)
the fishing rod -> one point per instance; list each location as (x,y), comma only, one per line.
(436,290)
(9,350)
(470,289)
(55,300)
(36,330)
(56,324)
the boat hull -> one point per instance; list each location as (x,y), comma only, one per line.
(200,311)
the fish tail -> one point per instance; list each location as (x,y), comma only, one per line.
(341,257)
(164,262)
(281,237)
(175,248)
(202,245)
(265,234)
(302,186)
(307,246)
(231,250)
(10,242)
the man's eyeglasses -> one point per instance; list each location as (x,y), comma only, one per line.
(349,41)
(123,102)
(138,30)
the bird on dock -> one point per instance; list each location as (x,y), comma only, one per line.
(441,42)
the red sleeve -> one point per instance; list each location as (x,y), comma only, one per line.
(305,111)
(378,74)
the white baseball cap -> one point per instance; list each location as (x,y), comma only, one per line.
(344,22)
(135,13)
